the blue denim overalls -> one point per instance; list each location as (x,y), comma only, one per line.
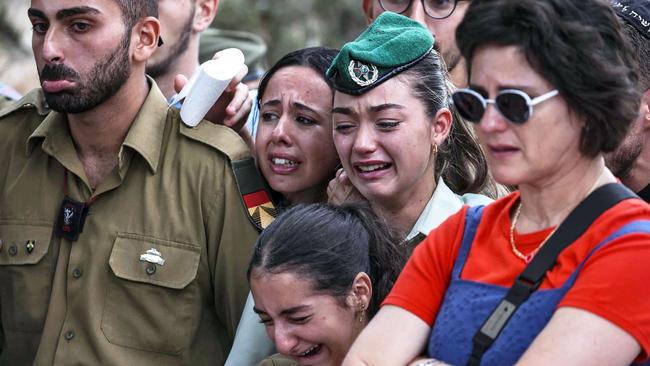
(468,304)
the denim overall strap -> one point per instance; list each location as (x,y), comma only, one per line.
(472,219)
(571,228)
(467,304)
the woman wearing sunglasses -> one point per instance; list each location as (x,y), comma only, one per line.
(557,272)
(394,132)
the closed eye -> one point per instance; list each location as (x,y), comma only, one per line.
(343,127)
(266,321)
(300,320)
(387,124)
(305,121)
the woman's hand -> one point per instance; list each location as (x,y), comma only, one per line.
(340,190)
(233,106)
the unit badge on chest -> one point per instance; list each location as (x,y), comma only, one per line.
(71,219)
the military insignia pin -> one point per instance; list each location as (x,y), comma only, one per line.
(152,256)
(363,74)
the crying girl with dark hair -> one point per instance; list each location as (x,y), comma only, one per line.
(318,274)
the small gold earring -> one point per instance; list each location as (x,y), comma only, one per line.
(363,314)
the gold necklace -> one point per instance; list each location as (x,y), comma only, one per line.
(531,255)
(525,257)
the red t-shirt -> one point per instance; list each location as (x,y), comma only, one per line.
(614,283)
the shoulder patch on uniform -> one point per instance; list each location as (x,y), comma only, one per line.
(261,209)
(33,99)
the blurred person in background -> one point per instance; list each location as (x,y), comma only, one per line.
(630,162)
(182,22)
(441,17)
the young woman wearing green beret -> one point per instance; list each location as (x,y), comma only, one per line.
(400,144)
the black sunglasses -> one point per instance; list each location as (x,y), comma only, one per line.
(513,104)
(436,9)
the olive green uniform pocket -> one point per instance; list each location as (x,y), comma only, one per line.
(150,304)
(26,276)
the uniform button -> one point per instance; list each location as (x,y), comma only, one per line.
(151,269)
(69,335)
(76,273)
(13,250)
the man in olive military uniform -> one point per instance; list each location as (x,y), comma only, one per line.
(123,236)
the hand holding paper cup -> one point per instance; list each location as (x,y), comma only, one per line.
(207,84)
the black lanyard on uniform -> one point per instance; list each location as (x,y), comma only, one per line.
(72,215)
(531,278)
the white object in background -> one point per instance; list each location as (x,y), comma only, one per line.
(206,85)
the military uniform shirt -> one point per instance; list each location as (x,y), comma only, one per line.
(99,301)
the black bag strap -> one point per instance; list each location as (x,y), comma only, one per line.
(531,278)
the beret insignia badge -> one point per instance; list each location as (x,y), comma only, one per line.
(363,74)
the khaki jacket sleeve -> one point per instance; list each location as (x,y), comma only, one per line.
(230,228)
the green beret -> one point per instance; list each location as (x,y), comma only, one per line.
(390,45)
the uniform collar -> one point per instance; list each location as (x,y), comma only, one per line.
(443,203)
(33,99)
(145,135)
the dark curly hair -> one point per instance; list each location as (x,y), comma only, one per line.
(577,45)
(329,245)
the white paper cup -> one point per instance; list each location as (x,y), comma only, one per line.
(207,84)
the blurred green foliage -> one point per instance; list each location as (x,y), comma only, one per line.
(287,25)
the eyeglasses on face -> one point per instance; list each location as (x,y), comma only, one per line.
(436,9)
(515,105)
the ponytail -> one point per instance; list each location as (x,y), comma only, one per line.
(329,245)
